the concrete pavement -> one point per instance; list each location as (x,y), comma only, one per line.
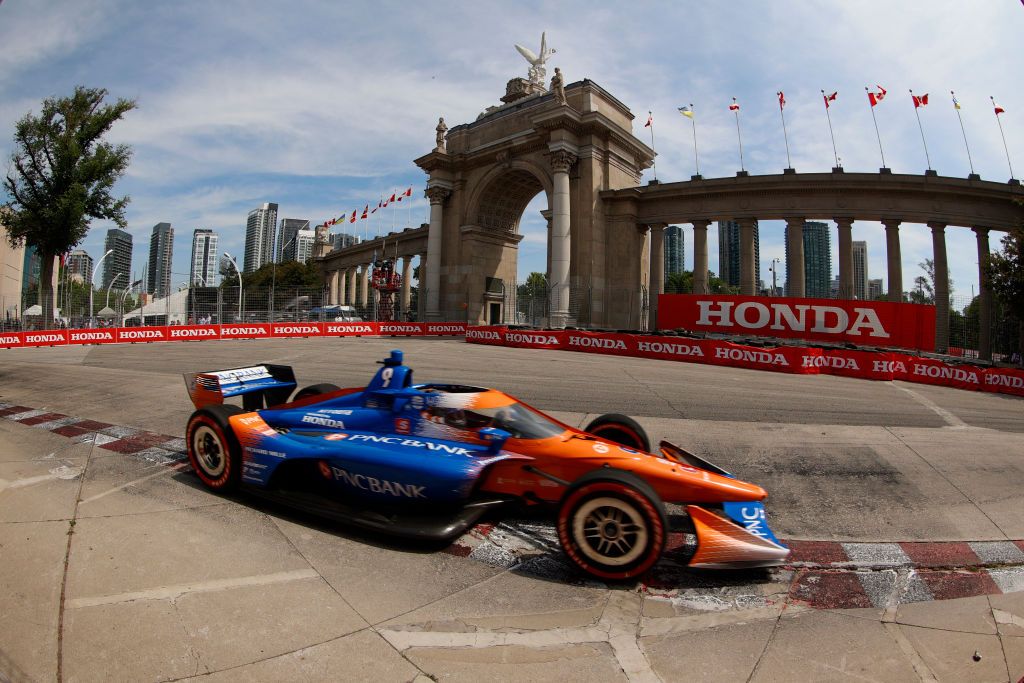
(116,565)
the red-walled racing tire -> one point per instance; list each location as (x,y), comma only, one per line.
(612,524)
(620,429)
(213,449)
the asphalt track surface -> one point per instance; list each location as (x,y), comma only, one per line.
(164,580)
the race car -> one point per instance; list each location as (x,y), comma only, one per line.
(429,460)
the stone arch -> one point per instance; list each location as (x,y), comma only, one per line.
(502,194)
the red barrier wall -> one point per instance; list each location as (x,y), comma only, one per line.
(793,360)
(865,323)
(134,335)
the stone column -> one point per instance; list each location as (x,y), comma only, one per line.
(421,298)
(795,272)
(364,285)
(984,297)
(845,257)
(546,215)
(561,162)
(894,259)
(656,273)
(406,283)
(941,287)
(332,287)
(437,195)
(700,257)
(342,276)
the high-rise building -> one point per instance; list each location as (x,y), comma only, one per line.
(874,289)
(79,265)
(675,250)
(817,260)
(304,241)
(860,270)
(259,237)
(286,240)
(729,253)
(117,267)
(204,258)
(342,240)
(161,250)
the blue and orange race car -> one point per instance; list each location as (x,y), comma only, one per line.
(429,460)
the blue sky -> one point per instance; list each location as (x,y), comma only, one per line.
(321,107)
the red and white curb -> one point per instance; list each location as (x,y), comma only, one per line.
(821,574)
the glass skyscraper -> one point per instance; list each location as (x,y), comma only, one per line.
(729,253)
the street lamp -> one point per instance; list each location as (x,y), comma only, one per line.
(92,283)
(231,258)
(774,269)
(124,297)
(110,287)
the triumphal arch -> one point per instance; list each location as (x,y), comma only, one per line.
(571,143)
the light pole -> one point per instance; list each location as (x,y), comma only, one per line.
(273,279)
(92,283)
(111,286)
(124,297)
(774,270)
(231,258)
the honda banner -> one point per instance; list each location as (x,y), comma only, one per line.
(865,323)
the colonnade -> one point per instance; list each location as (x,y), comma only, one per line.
(350,286)
(795,271)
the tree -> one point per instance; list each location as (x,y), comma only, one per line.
(536,287)
(1006,275)
(924,285)
(62,174)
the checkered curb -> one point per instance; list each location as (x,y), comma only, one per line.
(821,574)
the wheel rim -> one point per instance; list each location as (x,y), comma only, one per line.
(610,531)
(209,451)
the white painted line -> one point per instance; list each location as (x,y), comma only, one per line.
(173,592)
(997,552)
(876,554)
(1009,579)
(948,417)
(133,482)
(62,472)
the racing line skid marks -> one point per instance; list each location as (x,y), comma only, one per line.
(822,574)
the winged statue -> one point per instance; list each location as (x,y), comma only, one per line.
(537,71)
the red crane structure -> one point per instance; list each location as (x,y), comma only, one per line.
(386,281)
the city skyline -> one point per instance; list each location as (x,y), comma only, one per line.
(210,143)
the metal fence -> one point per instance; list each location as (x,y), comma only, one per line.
(532,304)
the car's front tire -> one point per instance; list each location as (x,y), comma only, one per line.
(620,429)
(612,524)
(213,450)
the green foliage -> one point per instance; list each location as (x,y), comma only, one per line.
(1006,276)
(924,285)
(62,175)
(682,283)
(286,275)
(536,286)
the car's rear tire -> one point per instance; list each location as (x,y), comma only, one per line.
(612,524)
(315,390)
(213,450)
(620,429)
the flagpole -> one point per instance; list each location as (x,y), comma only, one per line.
(1005,148)
(739,137)
(394,209)
(956,107)
(831,134)
(872,107)
(785,136)
(921,128)
(693,121)
(654,160)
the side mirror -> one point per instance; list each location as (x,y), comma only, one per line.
(494,437)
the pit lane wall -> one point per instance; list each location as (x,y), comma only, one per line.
(794,360)
(172,333)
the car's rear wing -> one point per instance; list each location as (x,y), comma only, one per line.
(258,385)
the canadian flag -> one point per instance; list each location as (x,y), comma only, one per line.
(999,110)
(829,98)
(650,120)
(920,101)
(353,219)
(734,106)
(876,97)
(365,212)
(390,199)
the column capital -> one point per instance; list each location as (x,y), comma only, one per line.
(700,223)
(794,220)
(437,194)
(937,227)
(891,223)
(981,232)
(844,220)
(562,160)
(657,226)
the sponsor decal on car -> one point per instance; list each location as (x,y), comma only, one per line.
(323,421)
(403,425)
(375,485)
